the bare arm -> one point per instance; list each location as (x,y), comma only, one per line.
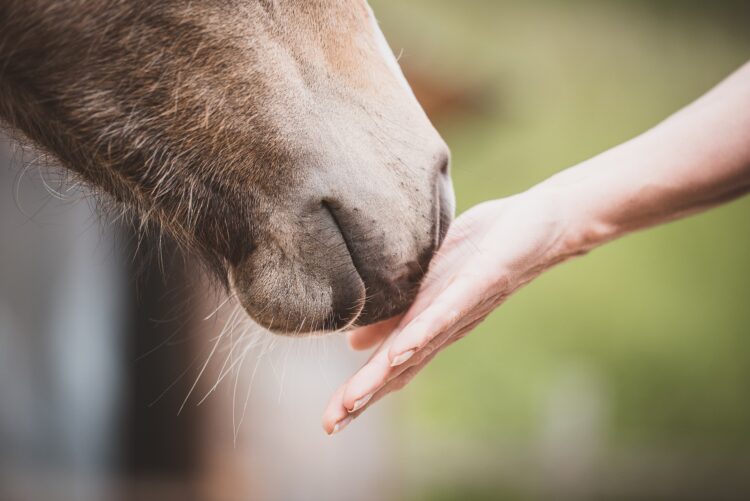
(696,159)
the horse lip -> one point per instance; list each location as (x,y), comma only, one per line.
(437,238)
(328,206)
(444,210)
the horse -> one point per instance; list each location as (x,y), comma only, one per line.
(278,140)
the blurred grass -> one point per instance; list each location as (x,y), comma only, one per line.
(659,321)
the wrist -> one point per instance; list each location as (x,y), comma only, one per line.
(586,228)
(599,200)
(581,225)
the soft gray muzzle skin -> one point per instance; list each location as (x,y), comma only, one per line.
(353,255)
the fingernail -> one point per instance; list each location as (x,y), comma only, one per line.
(400,359)
(361,402)
(341,425)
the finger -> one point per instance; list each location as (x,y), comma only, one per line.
(368,336)
(454,308)
(374,374)
(335,413)
(336,410)
(456,302)
(395,384)
(437,280)
(408,373)
(379,371)
(336,407)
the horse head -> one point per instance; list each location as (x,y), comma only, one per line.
(278,139)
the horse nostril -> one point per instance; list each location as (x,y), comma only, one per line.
(444,164)
(333,209)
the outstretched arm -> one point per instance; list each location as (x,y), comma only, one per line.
(696,159)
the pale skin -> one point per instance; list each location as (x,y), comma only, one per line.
(696,159)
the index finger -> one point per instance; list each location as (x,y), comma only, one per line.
(368,336)
(448,308)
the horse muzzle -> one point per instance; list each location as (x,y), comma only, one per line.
(351,257)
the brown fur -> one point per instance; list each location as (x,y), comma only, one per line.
(224,123)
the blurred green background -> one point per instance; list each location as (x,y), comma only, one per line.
(623,374)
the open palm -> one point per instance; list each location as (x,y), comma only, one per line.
(489,252)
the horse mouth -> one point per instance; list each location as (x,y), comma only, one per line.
(390,282)
(332,208)
(342,261)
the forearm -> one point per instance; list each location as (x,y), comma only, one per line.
(696,159)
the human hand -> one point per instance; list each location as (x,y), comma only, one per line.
(490,252)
